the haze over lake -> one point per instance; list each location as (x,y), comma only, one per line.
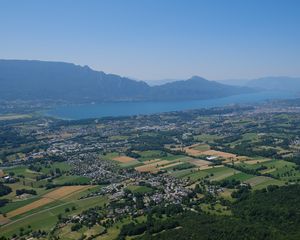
(115,109)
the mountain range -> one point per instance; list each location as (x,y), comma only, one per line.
(41,80)
(279,83)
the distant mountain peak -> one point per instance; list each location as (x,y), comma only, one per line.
(197,78)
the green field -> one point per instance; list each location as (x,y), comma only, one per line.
(153,154)
(45,218)
(139,189)
(240,176)
(132,164)
(14,205)
(202,147)
(277,168)
(182,173)
(71,179)
(220,173)
(260,182)
(196,176)
(207,138)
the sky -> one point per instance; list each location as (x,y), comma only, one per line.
(157,39)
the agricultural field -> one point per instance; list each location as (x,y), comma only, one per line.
(139,189)
(46,218)
(206,138)
(261,182)
(278,169)
(14,116)
(45,199)
(124,159)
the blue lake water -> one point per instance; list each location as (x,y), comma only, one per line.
(106,109)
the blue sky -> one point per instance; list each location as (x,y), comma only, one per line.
(157,39)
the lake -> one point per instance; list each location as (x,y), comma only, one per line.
(83,111)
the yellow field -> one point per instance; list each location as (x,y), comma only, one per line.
(171,165)
(152,167)
(193,152)
(151,161)
(3,220)
(47,198)
(13,117)
(147,168)
(1,173)
(256,180)
(199,163)
(219,154)
(252,162)
(124,159)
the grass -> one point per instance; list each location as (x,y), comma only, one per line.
(45,219)
(139,189)
(152,154)
(67,234)
(68,198)
(206,138)
(182,173)
(17,204)
(63,166)
(260,182)
(216,209)
(180,166)
(268,182)
(277,168)
(220,173)
(22,170)
(240,176)
(171,157)
(73,179)
(202,147)
(13,116)
(195,176)
(118,138)
(131,164)
(113,232)
(20,185)
(110,156)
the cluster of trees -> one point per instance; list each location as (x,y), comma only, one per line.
(294,158)
(156,142)
(230,183)
(50,185)
(151,226)
(3,202)
(275,206)
(247,148)
(183,166)
(27,191)
(269,214)
(53,173)
(251,171)
(4,190)
(34,167)
(242,192)
(132,154)
(202,227)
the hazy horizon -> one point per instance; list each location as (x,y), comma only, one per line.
(157,40)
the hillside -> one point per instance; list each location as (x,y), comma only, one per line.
(38,80)
(286,84)
(276,83)
(195,88)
